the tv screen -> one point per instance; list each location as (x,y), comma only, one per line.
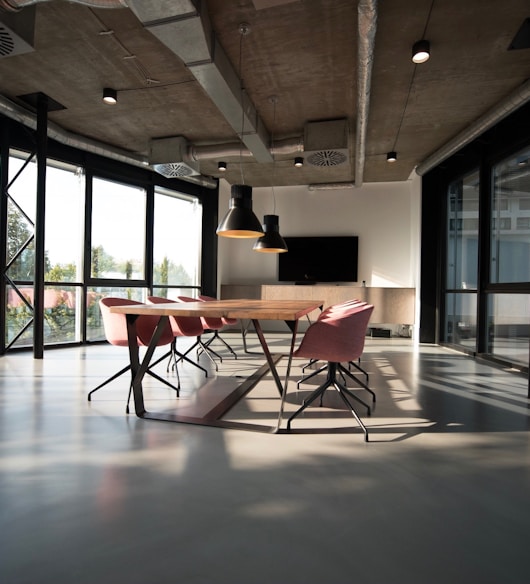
(319,259)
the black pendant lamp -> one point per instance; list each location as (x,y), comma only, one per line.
(271,241)
(240,221)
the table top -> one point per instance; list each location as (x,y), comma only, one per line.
(240,308)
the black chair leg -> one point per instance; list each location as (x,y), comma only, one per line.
(217,336)
(307,402)
(359,368)
(207,352)
(352,409)
(307,377)
(358,381)
(121,372)
(343,391)
(177,388)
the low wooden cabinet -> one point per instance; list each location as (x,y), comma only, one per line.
(391,305)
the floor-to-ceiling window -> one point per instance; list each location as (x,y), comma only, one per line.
(475,280)
(176,244)
(103,236)
(116,255)
(462,261)
(65,188)
(509,303)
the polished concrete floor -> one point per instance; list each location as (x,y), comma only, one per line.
(440,494)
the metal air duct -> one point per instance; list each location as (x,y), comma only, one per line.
(367,26)
(184,27)
(55,132)
(16,5)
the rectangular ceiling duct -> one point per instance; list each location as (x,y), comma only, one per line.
(326,143)
(168,157)
(17,32)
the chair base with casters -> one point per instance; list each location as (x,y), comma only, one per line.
(343,391)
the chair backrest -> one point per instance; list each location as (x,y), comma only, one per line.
(205,298)
(115,324)
(209,323)
(339,337)
(334,308)
(182,326)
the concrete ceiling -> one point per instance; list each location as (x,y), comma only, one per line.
(305,53)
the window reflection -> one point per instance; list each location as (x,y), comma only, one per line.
(462,233)
(508,330)
(510,225)
(461,319)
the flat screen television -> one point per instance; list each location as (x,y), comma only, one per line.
(319,259)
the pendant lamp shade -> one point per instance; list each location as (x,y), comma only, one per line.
(271,241)
(240,221)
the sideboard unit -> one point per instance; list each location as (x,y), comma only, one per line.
(391,305)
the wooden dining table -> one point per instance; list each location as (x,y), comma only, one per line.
(256,311)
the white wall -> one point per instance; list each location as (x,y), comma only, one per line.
(385,216)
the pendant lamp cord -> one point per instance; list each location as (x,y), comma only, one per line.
(242,34)
(394,147)
(274,99)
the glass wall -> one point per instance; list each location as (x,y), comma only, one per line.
(176,243)
(137,241)
(94,322)
(510,221)
(509,308)
(486,272)
(20,250)
(508,327)
(462,261)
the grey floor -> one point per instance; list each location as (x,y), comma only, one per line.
(440,494)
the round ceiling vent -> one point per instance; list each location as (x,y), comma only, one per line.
(326,158)
(7,44)
(173,169)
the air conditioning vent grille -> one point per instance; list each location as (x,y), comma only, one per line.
(326,158)
(12,43)
(174,169)
(7,44)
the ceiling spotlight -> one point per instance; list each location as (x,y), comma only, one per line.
(221,166)
(110,96)
(299,162)
(421,51)
(391,156)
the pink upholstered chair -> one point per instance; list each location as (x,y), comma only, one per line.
(337,337)
(115,326)
(323,315)
(225,321)
(182,326)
